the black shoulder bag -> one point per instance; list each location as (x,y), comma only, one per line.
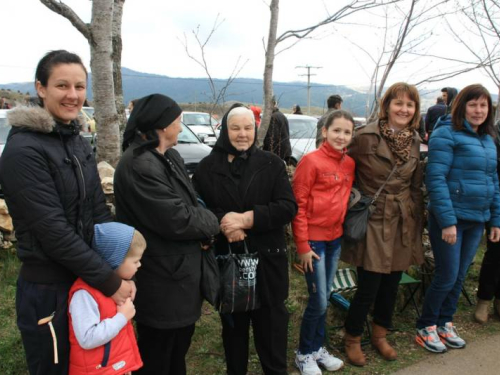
(359,210)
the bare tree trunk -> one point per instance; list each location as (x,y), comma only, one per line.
(101,63)
(117,61)
(99,33)
(268,72)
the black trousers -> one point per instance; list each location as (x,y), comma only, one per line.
(270,328)
(35,302)
(163,351)
(489,277)
(374,288)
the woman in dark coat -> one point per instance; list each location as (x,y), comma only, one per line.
(51,185)
(250,193)
(153,194)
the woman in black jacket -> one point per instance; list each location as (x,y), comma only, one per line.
(250,193)
(154,195)
(49,177)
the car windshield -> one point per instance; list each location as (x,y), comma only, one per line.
(89,111)
(197,119)
(302,128)
(4,130)
(187,136)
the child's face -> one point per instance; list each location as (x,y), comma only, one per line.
(129,267)
(339,133)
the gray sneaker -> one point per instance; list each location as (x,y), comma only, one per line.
(428,338)
(449,336)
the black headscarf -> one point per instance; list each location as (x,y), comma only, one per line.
(223,145)
(154,111)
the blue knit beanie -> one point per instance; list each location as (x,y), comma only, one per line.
(112,241)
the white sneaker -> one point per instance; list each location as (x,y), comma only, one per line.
(306,364)
(326,360)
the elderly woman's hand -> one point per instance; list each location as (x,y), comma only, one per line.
(235,236)
(233,221)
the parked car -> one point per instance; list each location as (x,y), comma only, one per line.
(191,149)
(88,115)
(202,124)
(302,136)
(4,133)
(4,128)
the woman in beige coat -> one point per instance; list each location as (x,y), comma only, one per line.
(393,241)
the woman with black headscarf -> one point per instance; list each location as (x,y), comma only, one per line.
(249,191)
(154,195)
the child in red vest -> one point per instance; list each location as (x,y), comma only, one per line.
(101,335)
(321,184)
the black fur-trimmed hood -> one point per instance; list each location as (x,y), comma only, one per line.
(35,119)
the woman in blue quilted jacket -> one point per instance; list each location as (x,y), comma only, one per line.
(464,194)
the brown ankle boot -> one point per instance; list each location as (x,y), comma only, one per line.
(353,350)
(380,343)
(481,313)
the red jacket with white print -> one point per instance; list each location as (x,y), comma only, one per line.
(322,184)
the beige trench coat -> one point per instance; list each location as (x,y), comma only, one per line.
(394,237)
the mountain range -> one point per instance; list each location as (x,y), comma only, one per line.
(247,90)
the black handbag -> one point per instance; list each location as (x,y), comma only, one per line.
(359,210)
(238,281)
(210,278)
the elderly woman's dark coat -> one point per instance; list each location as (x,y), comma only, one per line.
(153,194)
(264,188)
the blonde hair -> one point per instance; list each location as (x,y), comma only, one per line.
(137,245)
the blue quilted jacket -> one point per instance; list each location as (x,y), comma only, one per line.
(461,175)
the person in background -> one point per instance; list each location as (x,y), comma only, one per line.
(154,194)
(296,110)
(333,102)
(317,231)
(257,111)
(394,235)
(449,94)
(96,324)
(462,181)
(433,114)
(489,276)
(277,138)
(49,177)
(249,191)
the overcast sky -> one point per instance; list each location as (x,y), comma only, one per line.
(153,31)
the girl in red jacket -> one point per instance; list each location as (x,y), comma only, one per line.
(321,184)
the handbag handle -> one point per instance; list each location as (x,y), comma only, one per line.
(244,245)
(375,197)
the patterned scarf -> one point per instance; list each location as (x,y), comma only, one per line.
(399,143)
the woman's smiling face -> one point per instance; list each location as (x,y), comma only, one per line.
(65,93)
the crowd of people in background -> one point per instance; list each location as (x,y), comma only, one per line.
(84,276)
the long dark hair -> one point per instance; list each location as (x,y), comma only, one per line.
(472,92)
(51,60)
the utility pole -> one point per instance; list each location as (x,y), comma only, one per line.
(308,67)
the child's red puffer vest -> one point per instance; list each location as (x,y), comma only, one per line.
(321,184)
(122,352)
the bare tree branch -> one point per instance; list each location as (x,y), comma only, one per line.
(62,9)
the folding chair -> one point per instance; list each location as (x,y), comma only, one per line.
(412,285)
(345,280)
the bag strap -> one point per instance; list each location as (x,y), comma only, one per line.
(375,197)
(244,245)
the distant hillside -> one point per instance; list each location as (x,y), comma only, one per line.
(191,90)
